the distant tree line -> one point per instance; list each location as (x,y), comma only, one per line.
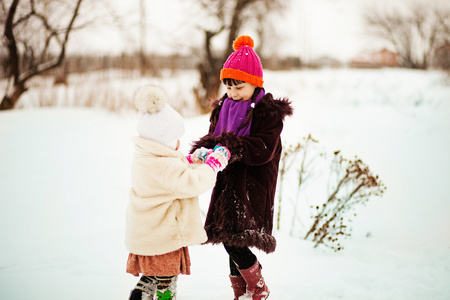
(132,61)
(36,35)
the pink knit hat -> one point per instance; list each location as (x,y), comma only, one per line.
(243,64)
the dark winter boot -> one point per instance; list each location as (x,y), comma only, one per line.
(145,289)
(166,288)
(239,286)
(256,287)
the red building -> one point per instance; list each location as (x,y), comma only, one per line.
(378,59)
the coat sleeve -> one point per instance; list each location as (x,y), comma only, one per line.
(261,147)
(185,180)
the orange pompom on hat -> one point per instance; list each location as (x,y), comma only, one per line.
(243,64)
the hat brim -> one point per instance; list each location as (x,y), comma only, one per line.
(241,75)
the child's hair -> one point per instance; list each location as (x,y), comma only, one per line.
(230,81)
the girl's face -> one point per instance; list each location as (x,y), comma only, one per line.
(241,92)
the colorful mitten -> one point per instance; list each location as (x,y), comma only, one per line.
(217,161)
(189,158)
(199,155)
(223,150)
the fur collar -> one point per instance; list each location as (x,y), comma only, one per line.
(266,107)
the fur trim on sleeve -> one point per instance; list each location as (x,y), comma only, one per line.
(227,139)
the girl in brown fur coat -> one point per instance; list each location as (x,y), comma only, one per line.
(248,122)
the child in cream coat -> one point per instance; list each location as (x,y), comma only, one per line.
(163,215)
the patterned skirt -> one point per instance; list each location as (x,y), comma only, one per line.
(169,264)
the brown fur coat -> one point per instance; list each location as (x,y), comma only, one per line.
(241,209)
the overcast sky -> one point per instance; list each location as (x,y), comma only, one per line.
(307,28)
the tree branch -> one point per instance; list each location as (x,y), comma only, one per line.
(45,66)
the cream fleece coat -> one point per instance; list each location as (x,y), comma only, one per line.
(163,214)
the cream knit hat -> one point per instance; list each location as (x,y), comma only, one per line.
(158,121)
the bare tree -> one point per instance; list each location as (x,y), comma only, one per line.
(414,33)
(36,38)
(230,17)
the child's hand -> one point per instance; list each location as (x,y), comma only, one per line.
(199,156)
(218,159)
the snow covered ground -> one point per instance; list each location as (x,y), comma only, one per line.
(64,179)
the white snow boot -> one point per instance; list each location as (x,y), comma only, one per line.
(145,289)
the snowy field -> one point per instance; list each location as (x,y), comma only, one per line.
(64,179)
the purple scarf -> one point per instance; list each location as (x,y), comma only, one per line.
(233,114)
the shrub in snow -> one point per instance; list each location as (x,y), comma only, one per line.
(348,183)
(353,184)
